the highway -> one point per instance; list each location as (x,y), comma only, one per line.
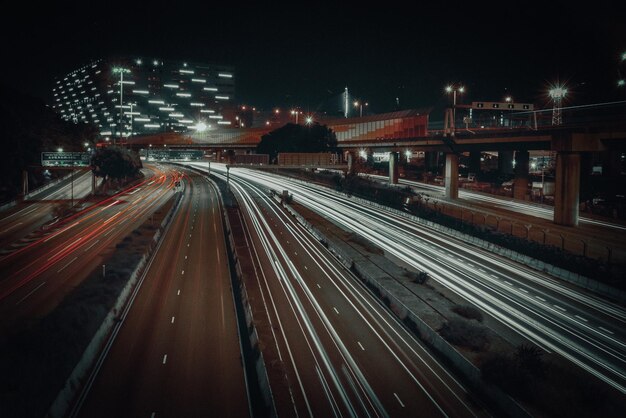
(502,203)
(344,354)
(36,276)
(21,220)
(175,351)
(583,328)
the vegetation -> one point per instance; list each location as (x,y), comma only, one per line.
(465,334)
(297,138)
(469,312)
(115,163)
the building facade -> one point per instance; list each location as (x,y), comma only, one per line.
(126,97)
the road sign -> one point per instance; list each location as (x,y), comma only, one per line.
(65,159)
(174,155)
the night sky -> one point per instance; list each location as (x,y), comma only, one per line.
(305,54)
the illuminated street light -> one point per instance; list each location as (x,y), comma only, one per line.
(309,120)
(454,88)
(360,106)
(295,112)
(120,71)
(59,149)
(201,127)
(508,99)
(557,93)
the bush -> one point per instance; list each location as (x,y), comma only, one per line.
(469,312)
(465,334)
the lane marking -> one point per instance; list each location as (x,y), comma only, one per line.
(318,286)
(560,308)
(182,272)
(581,318)
(540,298)
(295,252)
(35,289)
(359,343)
(306,268)
(336,310)
(164,359)
(494,276)
(88,248)
(63,268)
(8,229)
(606,330)
(509,283)
(185,257)
(523,290)
(178,292)
(172,320)
(398,398)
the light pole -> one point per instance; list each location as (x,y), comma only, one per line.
(121,71)
(295,112)
(454,88)
(360,104)
(557,93)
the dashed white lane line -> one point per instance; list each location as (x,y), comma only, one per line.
(37,288)
(63,268)
(178,292)
(494,276)
(182,272)
(336,310)
(581,318)
(606,330)
(306,268)
(398,398)
(172,320)
(359,343)
(318,286)
(187,245)
(295,252)
(540,298)
(89,248)
(509,283)
(165,359)
(523,290)
(185,257)
(560,308)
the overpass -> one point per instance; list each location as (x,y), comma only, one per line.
(408,130)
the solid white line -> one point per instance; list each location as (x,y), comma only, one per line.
(62,268)
(581,318)
(164,359)
(35,289)
(606,330)
(172,320)
(359,343)
(398,398)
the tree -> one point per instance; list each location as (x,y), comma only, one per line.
(115,163)
(298,138)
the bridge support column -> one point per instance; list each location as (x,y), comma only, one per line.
(393,168)
(520,186)
(350,160)
(452,176)
(505,162)
(567,188)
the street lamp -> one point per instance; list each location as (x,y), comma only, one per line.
(557,93)
(454,88)
(309,120)
(360,106)
(121,71)
(295,112)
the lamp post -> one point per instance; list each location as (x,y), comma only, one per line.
(295,112)
(557,93)
(121,71)
(360,105)
(454,88)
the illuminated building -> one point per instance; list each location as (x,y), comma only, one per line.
(136,96)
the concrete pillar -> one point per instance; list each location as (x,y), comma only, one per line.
(505,162)
(218,156)
(393,168)
(452,176)
(520,186)
(567,188)
(474,162)
(350,159)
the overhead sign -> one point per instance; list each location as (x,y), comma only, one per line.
(65,159)
(174,155)
(502,106)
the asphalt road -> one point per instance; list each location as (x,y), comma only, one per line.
(35,277)
(343,353)
(177,351)
(583,328)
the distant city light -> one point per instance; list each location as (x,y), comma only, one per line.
(201,127)
(621,83)
(309,120)
(59,149)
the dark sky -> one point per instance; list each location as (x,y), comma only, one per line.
(306,53)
